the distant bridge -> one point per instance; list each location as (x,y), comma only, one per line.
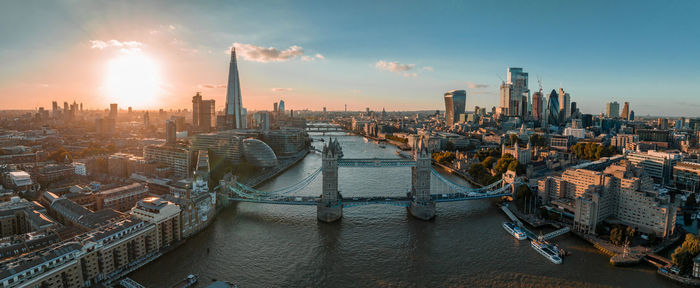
(323,127)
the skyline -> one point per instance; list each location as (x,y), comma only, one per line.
(626,53)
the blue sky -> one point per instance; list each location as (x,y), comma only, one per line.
(646,53)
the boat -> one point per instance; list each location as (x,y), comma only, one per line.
(547,250)
(189,281)
(514,230)
(381,145)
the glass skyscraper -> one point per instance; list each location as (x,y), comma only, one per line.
(553,108)
(233,95)
(455,103)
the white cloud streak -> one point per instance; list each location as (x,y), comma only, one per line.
(211,86)
(473,85)
(267,54)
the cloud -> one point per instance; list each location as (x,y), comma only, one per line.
(393,66)
(211,86)
(414,74)
(125,46)
(319,56)
(171,27)
(428,68)
(268,54)
(473,85)
(281,89)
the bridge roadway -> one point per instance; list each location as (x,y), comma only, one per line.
(376,162)
(402,201)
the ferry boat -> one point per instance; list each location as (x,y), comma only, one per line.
(189,281)
(514,230)
(547,250)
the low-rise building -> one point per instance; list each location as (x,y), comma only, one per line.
(686,176)
(165,215)
(121,198)
(658,165)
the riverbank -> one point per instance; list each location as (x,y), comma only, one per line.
(460,174)
(284,164)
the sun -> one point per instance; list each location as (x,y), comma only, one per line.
(132,79)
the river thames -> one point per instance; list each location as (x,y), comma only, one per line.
(262,245)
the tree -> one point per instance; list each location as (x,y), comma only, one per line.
(503,163)
(488,162)
(537,140)
(592,151)
(517,167)
(616,235)
(629,234)
(683,255)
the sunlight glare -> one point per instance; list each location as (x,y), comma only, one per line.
(132,79)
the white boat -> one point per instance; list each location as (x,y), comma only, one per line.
(514,230)
(547,250)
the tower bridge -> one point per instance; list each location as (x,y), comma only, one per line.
(420,199)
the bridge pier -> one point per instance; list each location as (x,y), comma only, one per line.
(329,212)
(422,211)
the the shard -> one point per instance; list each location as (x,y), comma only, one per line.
(233,94)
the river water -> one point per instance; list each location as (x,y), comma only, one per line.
(261,245)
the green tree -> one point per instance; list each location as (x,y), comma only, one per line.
(488,162)
(517,167)
(503,163)
(537,140)
(616,235)
(683,255)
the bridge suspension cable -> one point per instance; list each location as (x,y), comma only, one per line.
(255,193)
(461,188)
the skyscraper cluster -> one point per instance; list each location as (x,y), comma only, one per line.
(553,109)
(515,94)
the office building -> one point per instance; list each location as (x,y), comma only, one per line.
(612,110)
(537,105)
(686,176)
(203,113)
(520,92)
(564,106)
(553,109)
(455,103)
(233,93)
(113,110)
(507,104)
(224,144)
(174,156)
(170,132)
(121,198)
(658,165)
(626,111)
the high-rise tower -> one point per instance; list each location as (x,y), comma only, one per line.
(233,93)
(455,102)
(626,111)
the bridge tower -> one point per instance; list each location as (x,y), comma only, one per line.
(422,207)
(329,208)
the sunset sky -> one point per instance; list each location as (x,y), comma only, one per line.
(399,55)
